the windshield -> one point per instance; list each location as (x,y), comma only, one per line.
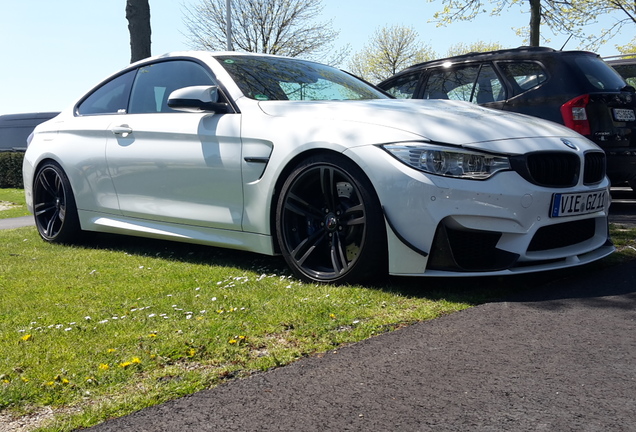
(275,78)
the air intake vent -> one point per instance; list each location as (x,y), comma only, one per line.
(562,235)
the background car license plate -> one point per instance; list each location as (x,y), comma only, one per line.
(578,203)
(621,114)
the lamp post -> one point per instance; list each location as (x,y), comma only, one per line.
(228,19)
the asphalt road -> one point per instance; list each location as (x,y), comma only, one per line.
(560,356)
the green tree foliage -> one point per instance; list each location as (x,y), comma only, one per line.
(558,15)
(283,27)
(138,16)
(390,50)
(479,46)
(623,13)
(629,48)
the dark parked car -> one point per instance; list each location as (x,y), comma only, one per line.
(574,88)
(16,128)
(626,66)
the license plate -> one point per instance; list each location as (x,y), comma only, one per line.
(572,204)
(623,115)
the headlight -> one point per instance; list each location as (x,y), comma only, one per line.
(448,161)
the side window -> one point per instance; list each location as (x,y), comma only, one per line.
(454,84)
(111,98)
(488,87)
(403,87)
(478,84)
(525,74)
(155,82)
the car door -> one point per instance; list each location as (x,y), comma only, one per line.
(85,136)
(174,166)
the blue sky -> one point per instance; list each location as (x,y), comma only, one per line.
(53,51)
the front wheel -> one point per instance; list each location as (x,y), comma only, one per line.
(329,222)
(54,205)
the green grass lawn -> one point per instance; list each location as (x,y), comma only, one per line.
(12,203)
(122,323)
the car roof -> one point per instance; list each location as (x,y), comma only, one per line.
(505,54)
(621,59)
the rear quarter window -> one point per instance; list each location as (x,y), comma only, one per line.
(110,98)
(526,75)
(403,87)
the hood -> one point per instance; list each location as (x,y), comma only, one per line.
(451,122)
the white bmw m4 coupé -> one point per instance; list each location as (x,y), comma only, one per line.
(283,156)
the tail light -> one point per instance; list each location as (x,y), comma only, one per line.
(575,115)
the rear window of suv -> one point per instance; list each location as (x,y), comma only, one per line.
(598,74)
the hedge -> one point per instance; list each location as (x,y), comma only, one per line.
(11,169)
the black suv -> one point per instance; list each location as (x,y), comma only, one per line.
(574,88)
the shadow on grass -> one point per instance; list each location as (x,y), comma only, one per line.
(471,290)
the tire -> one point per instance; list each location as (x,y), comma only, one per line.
(54,205)
(329,222)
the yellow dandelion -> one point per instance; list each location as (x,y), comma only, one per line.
(24,379)
(6,381)
(232,341)
(152,335)
(111,350)
(27,337)
(103,366)
(135,360)
(49,383)
(332,316)
(124,364)
(192,352)
(64,381)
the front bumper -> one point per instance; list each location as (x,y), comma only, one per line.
(439,226)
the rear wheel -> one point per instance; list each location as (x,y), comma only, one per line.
(329,223)
(54,205)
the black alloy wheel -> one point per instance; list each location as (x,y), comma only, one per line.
(54,205)
(329,222)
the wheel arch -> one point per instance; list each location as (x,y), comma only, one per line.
(29,182)
(286,171)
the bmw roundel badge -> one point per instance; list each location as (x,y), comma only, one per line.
(569,144)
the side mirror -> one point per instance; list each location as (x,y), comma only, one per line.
(197,99)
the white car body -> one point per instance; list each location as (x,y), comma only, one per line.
(210,178)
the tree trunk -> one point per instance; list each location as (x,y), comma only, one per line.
(535,22)
(138,16)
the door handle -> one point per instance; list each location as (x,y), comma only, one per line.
(123,130)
